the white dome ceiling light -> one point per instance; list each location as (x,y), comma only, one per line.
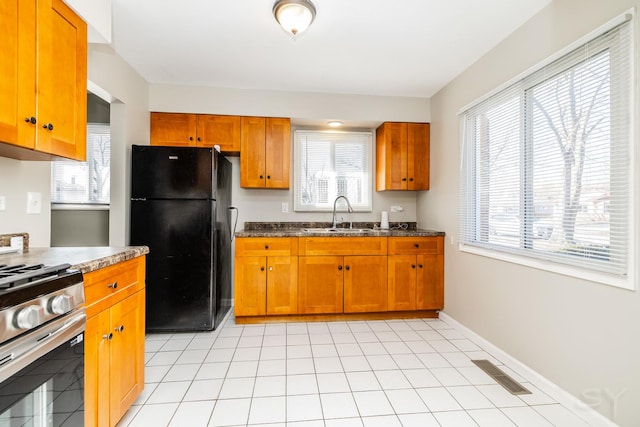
(294,16)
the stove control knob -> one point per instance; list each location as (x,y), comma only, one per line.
(29,317)
(61,304)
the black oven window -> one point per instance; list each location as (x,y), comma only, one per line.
(48,392)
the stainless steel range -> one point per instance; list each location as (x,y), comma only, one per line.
(42,323)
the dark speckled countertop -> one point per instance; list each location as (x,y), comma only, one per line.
(297,229)
(85,259)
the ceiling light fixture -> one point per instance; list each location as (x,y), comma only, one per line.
(294,16)
(335,124)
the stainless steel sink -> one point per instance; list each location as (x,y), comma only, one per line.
(337,230)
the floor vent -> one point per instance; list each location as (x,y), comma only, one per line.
(501,378)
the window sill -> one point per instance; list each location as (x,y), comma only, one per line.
(78,207)
(624,282)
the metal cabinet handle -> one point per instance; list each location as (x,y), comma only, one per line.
(347,268)
(413,266)
(199,139)
(404,179)
(420,265)
(270,268)
(416,245)
(340,267)
(261,177)
(190,138)
(113,285)
(119,328)
(266,246)
(48,126)
(261,268)
(411,179)
(268,176)
(107,337)
(31,120)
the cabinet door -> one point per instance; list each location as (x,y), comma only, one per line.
(96,369)
(402,282)
(219,130)
(365,284)
(250,288)
(391,156)
(282,285)
(430,282)
(127,354)
(320,284)
(173,129)
(18,72)
(277,152)
(61,81)
(418,135)
(252,137)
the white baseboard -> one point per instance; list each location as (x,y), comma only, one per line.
(581,409)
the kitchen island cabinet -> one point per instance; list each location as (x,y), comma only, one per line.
(266,272)
(114,340)
(43,81)
(402,156)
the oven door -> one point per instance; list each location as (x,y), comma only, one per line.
(42,375)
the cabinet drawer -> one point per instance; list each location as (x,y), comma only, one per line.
(343,246)
(109,280)
(266,246)
(415,245)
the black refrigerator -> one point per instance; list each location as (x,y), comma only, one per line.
(180,209)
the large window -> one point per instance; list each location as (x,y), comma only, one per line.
(331,164)
(546,162)
(85,182)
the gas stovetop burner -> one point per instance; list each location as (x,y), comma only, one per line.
(16,275)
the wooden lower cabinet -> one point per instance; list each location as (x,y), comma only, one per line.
(416,273)
(266,286)
(114,342)
(365,284)
(266,276)
(320,284)
(334,275)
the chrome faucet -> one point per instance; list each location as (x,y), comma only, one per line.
(349,208)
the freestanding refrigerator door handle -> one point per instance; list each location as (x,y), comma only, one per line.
(233,231)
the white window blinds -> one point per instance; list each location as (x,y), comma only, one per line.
(546,162)
(329,164)
(85,182)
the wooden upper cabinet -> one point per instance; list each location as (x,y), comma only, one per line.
(277,152)
(402,156)
(18,72)
(265,152)
(43,79)
(173,129)
(219,130)
(196,130)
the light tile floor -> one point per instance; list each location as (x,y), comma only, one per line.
(415,372)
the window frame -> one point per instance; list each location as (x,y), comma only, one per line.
(367,180)
(522,85)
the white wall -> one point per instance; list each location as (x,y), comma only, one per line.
(129,125)
(303,108)
(583,336)
(16,179)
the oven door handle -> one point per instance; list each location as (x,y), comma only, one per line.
(25,350)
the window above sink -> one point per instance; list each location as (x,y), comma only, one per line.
(330,164)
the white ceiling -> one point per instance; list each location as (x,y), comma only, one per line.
(369,47)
